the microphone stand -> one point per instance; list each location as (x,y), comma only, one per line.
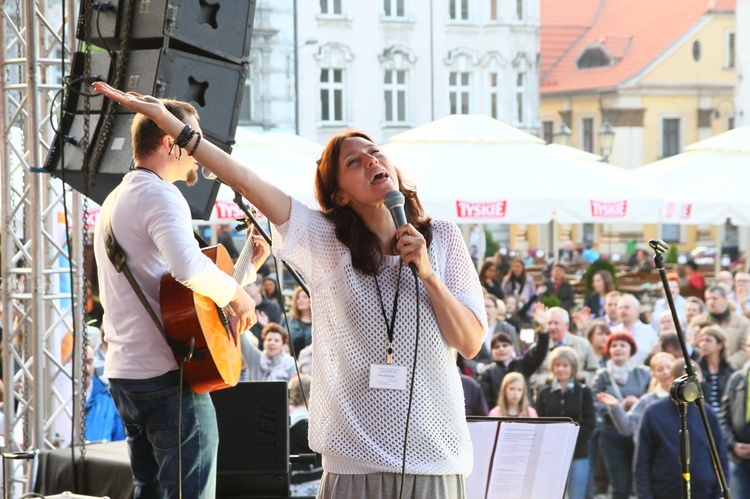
(246,210)
(686,389)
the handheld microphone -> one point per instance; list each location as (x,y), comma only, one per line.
(394,201)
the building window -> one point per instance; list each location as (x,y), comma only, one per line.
(519,10)
(394,8)
(494,96)
(246,108)
(670,137)
(493,10)
(670,233)
(730,123)
(458,10)
(587,134)
(459,91)
(520,97)
(332,95)
(395,96)
(331,7)
(729,62)
(548,131)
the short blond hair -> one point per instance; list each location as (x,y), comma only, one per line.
(567,354)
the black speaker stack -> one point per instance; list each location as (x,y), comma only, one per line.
(191,50)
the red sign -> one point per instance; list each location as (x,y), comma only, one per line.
(614,209)
(686,211)
(494,209)
(227,210)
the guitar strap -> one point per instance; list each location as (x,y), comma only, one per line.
(119,260)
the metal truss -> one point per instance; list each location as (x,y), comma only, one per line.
(38,269)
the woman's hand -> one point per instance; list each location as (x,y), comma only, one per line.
(541,317)
(607,399)
(261,250)
(143,104)
(628,402)
(413,249)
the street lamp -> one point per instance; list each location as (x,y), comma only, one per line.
(562,136)
(606,138)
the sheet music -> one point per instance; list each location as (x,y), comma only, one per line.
(531,460)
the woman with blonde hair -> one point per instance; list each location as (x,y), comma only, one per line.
(513,400)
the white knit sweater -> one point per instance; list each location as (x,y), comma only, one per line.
(358,429)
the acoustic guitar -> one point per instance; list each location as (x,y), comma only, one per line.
(191,316)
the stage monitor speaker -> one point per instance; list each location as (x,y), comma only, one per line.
(253,419)
(218,28)
(117,160)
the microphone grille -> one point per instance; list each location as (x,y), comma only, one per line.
(393,199)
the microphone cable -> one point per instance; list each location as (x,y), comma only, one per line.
(411,388)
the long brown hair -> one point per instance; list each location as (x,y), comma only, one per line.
(350,228)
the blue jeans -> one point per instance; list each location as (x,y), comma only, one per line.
(739,480)
(579,478)
(148,407)
(617,451)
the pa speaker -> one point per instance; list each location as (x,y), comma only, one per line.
(253,420)
(219,28)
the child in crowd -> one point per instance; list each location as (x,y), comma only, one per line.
(513,401)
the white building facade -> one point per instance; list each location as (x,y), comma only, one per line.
(384,66)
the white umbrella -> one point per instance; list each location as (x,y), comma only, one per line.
(286,161)
(705,184)
(472,168)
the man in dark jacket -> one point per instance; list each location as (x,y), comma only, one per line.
(506,360)
(558,286)
(736,428)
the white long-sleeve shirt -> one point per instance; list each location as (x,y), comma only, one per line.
(356,428)
(151,221)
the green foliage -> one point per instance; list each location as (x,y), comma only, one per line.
(595,267)
(491,246)
(551,301)
(672,254)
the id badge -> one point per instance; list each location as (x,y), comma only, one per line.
(387,377)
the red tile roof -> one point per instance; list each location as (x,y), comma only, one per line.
(634,32)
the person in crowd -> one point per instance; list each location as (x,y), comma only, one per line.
(511,312)
(224,237)
(267,311)
(642,262)
(590,254)
(735,326)
(103,423)
(496,323)
(513,398)
(629,309)
(506,360)
(304,478)
(487,276)
(669,343)
(565,253)
(713,362)
(558,286)
(151,220)
(665,322)
(305,360)
(300,325)
(352,257)
(725,279)
(627,422)
(657,463)
(567,397)
(735,426)
(693,306)
(474,402)
(602,283)
(611,310)
(275,363)
(626,380)
(271,291)
(502,260)
(742,293)
(597,333)
(560,335)
(695,280)
(661,305)
(521,285)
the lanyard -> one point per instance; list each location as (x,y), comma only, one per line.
(389,328)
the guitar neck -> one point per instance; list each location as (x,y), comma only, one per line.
(243,262)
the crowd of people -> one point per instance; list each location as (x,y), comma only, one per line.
(609,362)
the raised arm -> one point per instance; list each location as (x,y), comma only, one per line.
(275,204)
